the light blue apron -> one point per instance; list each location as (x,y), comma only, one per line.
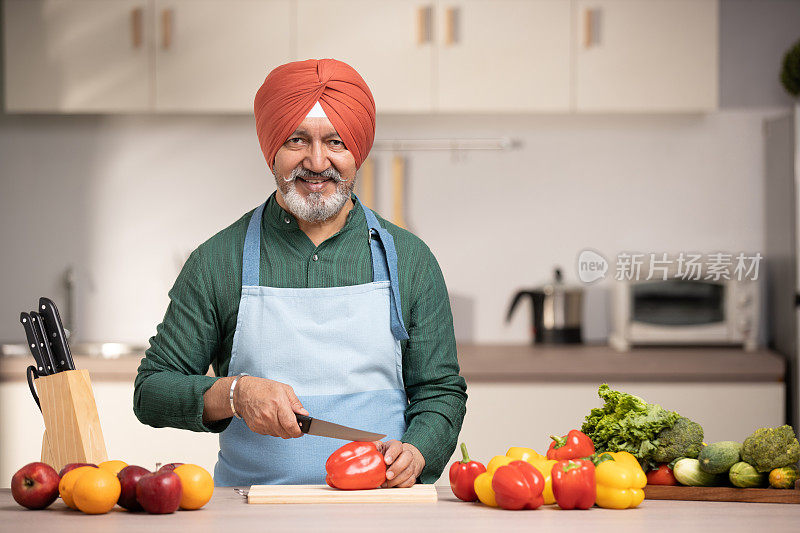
(338,347)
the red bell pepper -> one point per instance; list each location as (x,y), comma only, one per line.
(518,485)
(573,445)
(463,474)
(356,465)
(574,484)
(661,476)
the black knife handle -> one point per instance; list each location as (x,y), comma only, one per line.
(304,422)
(31,373)
(33,343)
(47,353)
(55,332)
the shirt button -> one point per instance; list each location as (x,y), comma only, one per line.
(287,220)
(315,257)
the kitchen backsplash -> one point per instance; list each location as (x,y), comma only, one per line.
(125,199)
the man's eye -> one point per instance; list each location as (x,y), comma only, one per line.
(337,143)
(295,140)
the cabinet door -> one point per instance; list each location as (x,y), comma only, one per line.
(388,43)
(503,55)
(213,55)
(646,55)
(75,55)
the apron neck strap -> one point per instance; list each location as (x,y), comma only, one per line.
(381,244)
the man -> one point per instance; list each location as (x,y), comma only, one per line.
(310,304)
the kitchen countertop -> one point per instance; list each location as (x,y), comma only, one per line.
(228,511)
(526,363)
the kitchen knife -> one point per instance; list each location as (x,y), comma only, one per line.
(314,426)
(56,334)
(33,344)
(45,345)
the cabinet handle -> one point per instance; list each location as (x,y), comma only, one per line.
(136,27)
(424,25)
(452,19)
(166,28)
(591,28)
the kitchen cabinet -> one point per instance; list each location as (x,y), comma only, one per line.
(389,43)
(449,56)
(503,55)
(76,56)
(465,56)
(126,438)
(121,56)
(213,55)
(501,415)
(646,55)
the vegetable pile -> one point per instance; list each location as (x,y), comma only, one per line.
(671,446)
(604,463)
(648,431)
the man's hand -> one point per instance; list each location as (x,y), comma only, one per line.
(404,460)
(268,407)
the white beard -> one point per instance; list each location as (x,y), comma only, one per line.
(315,207)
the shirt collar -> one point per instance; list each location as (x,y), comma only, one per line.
(279,218)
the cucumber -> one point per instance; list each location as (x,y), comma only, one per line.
(784,478)
(688,472)
(745,475)
(719,457)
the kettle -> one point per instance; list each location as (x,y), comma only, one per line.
(557,311)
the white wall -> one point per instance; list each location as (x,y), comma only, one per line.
(126,198)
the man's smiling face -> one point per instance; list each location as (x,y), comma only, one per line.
(314,171)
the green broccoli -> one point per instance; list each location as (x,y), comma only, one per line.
(769,448)
(682,439)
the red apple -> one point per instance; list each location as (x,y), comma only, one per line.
(35,485)
(169,467)
(159,492)
(128,478)
(72,466)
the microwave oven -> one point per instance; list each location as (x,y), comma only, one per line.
(679,312)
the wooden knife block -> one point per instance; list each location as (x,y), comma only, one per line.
(72,426)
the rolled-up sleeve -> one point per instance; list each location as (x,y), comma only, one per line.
(171,379)
(436,392)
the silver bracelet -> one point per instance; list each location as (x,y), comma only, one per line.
(230,396)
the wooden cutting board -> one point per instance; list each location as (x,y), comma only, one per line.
(324,494)
(722,494)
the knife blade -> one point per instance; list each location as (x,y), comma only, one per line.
(321,428)
(44,345)
(55,332)
(33,343)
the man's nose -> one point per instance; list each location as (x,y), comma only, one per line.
(317,158)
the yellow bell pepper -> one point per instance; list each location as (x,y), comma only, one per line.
(545,466)
(620,481)
(541,463)
(523,454)
(483,483)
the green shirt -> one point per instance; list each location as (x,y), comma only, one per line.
(198,327)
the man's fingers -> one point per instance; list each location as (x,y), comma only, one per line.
(392,451)
(380,445)
(294,401)
(287,421)
(398,467)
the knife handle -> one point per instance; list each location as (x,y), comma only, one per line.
(55,332)
(31,373)
(33,343)
(44,345)
(304,422)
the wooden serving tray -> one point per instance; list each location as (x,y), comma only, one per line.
(722,494)
(324,494)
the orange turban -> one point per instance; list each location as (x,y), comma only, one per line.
(291,90)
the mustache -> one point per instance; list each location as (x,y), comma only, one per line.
(328,173)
